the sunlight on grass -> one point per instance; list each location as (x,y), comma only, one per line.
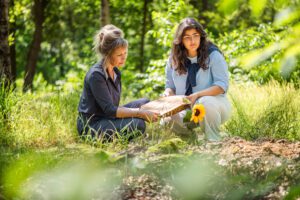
(49,119)
(269,111)
(47,160)
(43,120)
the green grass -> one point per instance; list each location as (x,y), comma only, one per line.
(269,111)
(39,140)
(42,120)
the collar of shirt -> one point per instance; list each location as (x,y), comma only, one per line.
(193,59)
(116,71)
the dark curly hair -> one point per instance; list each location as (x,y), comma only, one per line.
(179,52)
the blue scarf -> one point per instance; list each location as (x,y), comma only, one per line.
(192,69)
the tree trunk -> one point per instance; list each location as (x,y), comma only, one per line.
(5,67)
(12,31)
(144,26)
(205,5)
(35,46)
(201,6)
(204,8)
(104,12)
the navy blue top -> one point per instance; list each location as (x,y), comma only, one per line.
(101,95)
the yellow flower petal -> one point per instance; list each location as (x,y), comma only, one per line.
(196,120)
(198,113)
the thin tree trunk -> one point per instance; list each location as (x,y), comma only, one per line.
(205,5)
(201,6)
(5,65)
(12,31)
(204,8)
(35,46)
(104,12)
(144,26)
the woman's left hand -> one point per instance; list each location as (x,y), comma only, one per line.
(192,98)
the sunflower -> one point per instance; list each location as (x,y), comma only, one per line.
(198,113)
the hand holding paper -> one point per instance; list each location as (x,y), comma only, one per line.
(167,106)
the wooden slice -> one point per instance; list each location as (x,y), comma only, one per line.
(167,106)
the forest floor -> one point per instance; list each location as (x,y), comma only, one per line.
(272,164)
(174,168)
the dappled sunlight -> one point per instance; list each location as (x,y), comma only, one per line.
(43,120)
(47,49)
(269,111)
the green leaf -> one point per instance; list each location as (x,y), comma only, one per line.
(257,8)
(228,6)
(286,16)
(288,65)
(187,117)
(255,57)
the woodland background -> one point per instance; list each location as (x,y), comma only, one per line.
(46,49)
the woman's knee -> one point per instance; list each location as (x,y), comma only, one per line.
(215,107)
(144,101)
(137,103)
(212,111)
(207,100)
(210,104)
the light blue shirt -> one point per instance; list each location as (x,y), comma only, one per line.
(216,74)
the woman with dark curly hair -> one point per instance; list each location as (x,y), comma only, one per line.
(197,69)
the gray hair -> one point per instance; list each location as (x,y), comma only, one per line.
(106,40)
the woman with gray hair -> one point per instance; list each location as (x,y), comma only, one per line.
(99,112)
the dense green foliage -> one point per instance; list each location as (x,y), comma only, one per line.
(39,145)
(70,26)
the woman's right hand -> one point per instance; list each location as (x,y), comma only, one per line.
(149,116)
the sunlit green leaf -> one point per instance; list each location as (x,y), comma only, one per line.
(288,64)
(286,16)
(289,60)
(257,8)
(228,6)
(255,57)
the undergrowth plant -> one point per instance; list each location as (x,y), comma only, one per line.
(270,111)
(7,99)
(43,120)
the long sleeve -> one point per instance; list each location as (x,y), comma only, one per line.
(169,77)
(219,70)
